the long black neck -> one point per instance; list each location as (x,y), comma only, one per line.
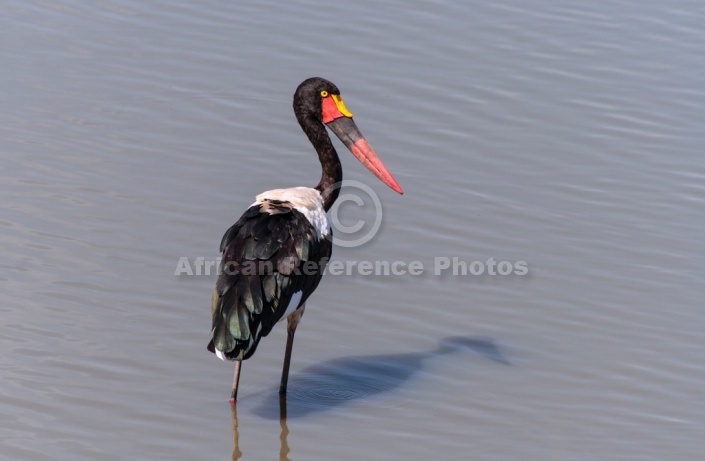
(332,174)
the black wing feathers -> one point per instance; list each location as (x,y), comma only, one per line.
(262,267)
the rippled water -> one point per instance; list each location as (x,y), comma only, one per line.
(566,136)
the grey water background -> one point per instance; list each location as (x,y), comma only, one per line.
(566,135)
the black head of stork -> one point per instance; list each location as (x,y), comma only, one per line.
(274,256)
(317,102)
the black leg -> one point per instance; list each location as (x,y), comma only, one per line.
(292,321)
(236,380)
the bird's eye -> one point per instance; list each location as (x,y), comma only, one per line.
(324,94)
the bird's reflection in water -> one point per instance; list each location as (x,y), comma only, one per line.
(237,454)
(284,433)
(284,450)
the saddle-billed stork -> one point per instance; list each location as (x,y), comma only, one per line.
(274,256)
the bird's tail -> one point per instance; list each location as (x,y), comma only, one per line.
(231,327)
(237,320)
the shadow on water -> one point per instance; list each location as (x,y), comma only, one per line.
(335,382)
(332,383)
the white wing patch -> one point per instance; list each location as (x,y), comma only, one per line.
(306,200)
(293,304)
(220,354)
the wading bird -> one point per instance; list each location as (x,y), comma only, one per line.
(273,257)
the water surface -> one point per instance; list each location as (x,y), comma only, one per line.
(569,137)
